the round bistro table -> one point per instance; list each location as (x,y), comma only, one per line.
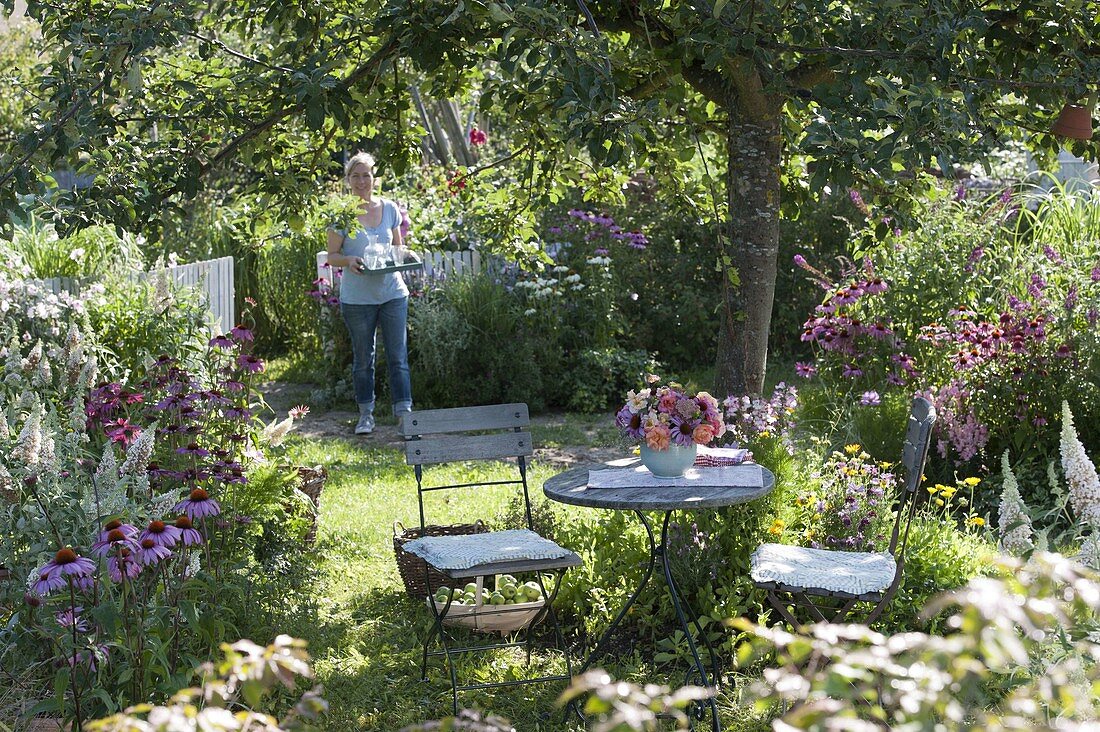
(709,488)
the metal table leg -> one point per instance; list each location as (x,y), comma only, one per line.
(661,549)
(700,667)
(600,645)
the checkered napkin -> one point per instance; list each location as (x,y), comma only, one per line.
(716,457)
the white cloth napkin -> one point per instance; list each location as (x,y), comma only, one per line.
(732,476)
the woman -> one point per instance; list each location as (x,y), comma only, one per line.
(369,299)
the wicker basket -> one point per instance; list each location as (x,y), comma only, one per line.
(412,567)
(312,482)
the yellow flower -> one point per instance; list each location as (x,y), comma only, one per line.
(977,521)
(852,449)
(933,488)
(809,535)
(972,481)
(939,502)
(885,465)
(776,528)
(947,491)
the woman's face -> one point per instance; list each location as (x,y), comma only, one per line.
(361,180)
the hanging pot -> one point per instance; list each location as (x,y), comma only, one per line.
(1074,122)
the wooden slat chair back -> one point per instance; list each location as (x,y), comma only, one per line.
(830,584)
(437,436)
(495,432)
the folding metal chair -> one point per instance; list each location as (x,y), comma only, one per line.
(442,436)
(830,584)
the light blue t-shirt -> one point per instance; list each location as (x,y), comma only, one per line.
(370,288)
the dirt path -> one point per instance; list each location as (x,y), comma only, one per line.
(281,396)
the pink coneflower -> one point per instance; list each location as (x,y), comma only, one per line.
(805,370)
(151,553)
(188,533)
(192,448)
(66,565)
(198,505)
(122,563)
(299,411)
(122,432)
(231,385)
(70,618)
(630,423)
(241,333)
(683,430)
(870,399)
(852,371)
(477,137)
(222,341)
(115,536)
(237,413)
(251,364)
(160,533)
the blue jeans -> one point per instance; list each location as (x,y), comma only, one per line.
(362,322)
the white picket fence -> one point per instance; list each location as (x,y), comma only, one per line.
(436,265)
(213,277)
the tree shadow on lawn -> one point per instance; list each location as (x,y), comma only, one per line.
(367,656)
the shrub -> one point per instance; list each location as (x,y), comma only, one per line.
(284,269)
(597,379)
(36,250)
(489,358)
(1017,653)
(994,327)
(124,506)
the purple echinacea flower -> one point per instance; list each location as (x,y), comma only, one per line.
(66,565)
(188,533)
(198,505)
(161,534)
(152,553)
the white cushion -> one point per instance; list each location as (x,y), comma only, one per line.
(471,550)
(853,572)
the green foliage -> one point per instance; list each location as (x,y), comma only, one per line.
(130,338)
(35,250)
(232,692)
(468,345)
(285,267)
(106,443)
(597,380)
(990,309)
(1017,653)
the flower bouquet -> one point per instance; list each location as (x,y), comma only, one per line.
(670,424)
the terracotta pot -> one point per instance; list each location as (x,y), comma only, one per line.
(1074,122)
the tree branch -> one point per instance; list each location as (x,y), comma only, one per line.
(238,54)
(372,64)
(69,113)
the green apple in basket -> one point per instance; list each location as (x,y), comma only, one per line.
(532,591)
(508,589)
(442,595)
(471,587)
(497,599)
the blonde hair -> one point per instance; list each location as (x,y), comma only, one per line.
(359,158)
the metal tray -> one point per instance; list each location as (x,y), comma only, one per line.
(411,262)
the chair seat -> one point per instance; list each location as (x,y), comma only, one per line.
(802,568)
(493,552)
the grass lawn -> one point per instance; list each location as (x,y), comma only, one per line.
(364,632)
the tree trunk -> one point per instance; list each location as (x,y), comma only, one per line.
(749,251)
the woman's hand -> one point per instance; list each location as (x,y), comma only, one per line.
(357,264)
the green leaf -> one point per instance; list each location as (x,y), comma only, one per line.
(719,6)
